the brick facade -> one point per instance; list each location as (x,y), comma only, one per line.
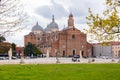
(67,42)
(31,37)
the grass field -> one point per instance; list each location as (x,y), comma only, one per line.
(60,72)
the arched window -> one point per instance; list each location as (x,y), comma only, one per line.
(38,38)
(73,36)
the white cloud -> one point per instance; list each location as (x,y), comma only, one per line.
(18,37)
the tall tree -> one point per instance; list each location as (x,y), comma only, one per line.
(11,16)
(105,27)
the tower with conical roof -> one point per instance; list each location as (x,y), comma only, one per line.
(71,21)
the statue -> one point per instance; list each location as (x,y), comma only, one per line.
(80,55)
(10,53)
(57,53)
(22,57)
(89,56)
(112,57)
(47,53)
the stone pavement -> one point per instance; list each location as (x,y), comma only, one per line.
(53,61)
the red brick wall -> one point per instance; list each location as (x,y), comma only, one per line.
(29,38)
(64,42)
(67,44)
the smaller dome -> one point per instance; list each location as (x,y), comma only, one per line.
(37,27)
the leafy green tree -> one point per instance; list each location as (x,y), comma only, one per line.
(13,49)
(31,50)
(105,27)
(37,51)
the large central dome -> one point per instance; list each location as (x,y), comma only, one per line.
(37,27)
(52,27)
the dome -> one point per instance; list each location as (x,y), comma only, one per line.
(37,27)
(52,26)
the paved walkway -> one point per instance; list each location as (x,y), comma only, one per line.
(53,61)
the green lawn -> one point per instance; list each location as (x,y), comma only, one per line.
(60,72)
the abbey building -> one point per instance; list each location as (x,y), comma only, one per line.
(69,41)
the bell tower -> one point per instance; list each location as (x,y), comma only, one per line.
(70,21)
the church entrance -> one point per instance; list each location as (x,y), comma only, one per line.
(73,52)
(82,53)
(63,53)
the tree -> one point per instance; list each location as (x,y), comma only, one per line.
(31,50)
(105,27)
(11,16)
(13,49)
(2,39)
(37,51)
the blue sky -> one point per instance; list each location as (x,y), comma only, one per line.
(42,11)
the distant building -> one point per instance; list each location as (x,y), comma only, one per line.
(116,48)
(100,50)
(7,44)
(112,49)
(4,48)
(19,51)
(67,42)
